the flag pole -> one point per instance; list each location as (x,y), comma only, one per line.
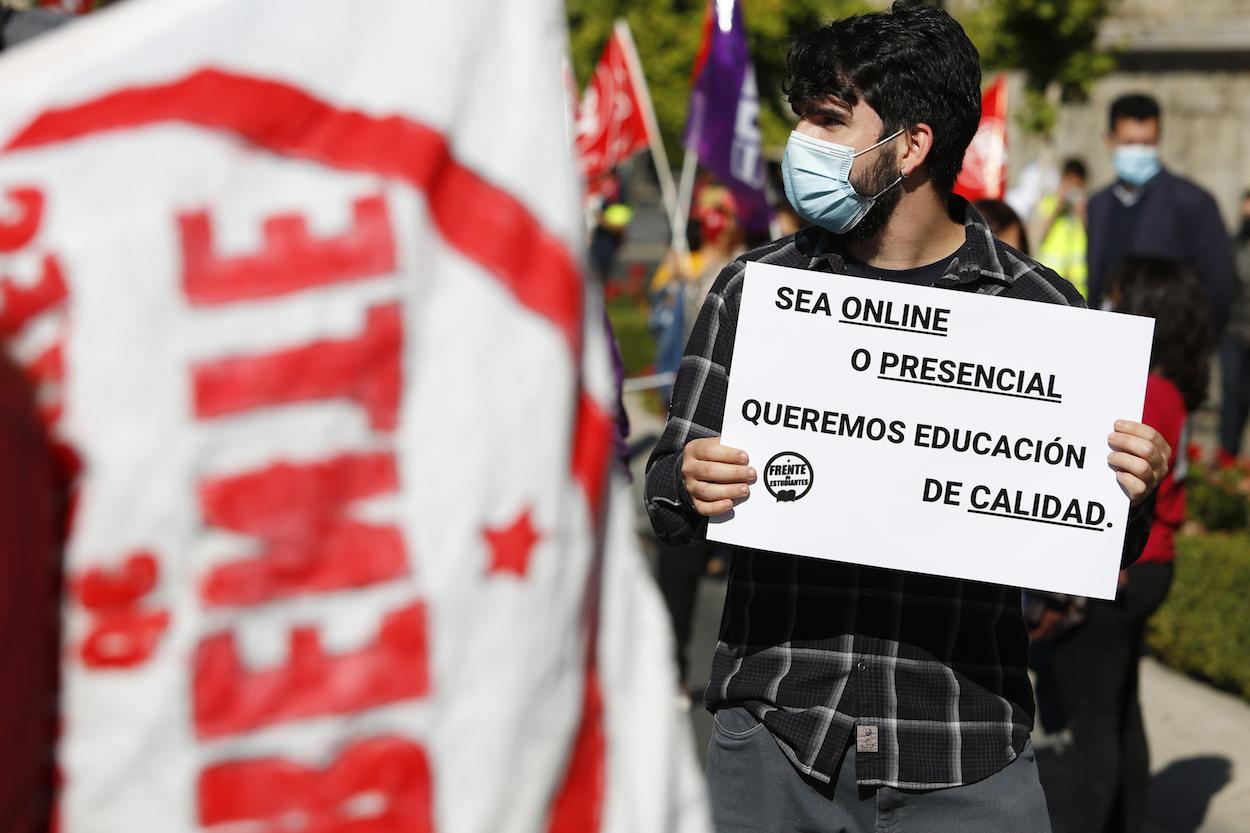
(658,155)
(694,122)
(685,193)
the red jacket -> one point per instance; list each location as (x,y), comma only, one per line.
(1165,412)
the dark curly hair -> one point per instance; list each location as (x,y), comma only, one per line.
(913,65)
(1169,293)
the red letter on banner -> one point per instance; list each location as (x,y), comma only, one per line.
(282,796)
(22,303)
(124,639)
(122,635)
(20,231)
(309,543)
(100,589)
(290,260)
(229,699)
(365,369)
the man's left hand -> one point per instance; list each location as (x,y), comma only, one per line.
(1139,455)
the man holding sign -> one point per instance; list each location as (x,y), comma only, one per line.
(924,675)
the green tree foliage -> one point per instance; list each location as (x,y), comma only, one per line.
(1053,42)
(668,34)
(770,26)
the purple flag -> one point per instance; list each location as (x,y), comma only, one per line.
(723,125)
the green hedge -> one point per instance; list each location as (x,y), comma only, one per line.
(1216,497)
(1204,626)
(629,320)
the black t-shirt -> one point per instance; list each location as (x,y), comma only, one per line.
(926,275)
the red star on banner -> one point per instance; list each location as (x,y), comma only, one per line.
(511,546)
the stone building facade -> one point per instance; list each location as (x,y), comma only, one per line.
(1194,57)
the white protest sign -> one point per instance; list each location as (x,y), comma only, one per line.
(933,431)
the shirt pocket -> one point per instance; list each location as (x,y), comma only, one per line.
(735,723)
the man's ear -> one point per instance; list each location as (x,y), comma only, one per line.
(919,140)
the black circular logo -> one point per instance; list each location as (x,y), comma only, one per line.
(788,476)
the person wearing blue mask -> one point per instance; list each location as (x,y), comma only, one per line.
(1149,210)
(852,698)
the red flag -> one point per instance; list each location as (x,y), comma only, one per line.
(612,121)
(705,44)
(70,6)
(984,175)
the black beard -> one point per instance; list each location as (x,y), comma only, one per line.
(879,178)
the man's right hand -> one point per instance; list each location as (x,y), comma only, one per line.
(715,475)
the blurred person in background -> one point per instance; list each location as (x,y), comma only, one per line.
(32,507)
(1096,661)
(612,216)
(1060,226)
(1005,223)
(1235,347)
(679,284)
(1149,210)
(666,296)
(723,240)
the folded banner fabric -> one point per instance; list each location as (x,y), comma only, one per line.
(300,285)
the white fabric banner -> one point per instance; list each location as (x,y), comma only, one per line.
(301,285)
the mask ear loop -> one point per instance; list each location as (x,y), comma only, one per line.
(878,144)
(888,187)
(900,170)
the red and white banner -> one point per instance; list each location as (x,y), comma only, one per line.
(346,554)
(984,175)
(613,119)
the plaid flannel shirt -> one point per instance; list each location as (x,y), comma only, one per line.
(925,675)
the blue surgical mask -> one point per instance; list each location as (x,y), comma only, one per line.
(1136,164)
(817,178)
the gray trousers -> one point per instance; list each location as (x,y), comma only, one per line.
(755,789)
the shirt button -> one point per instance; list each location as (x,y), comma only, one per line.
(862,666)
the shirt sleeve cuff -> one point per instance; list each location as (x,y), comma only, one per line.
(1140,517)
